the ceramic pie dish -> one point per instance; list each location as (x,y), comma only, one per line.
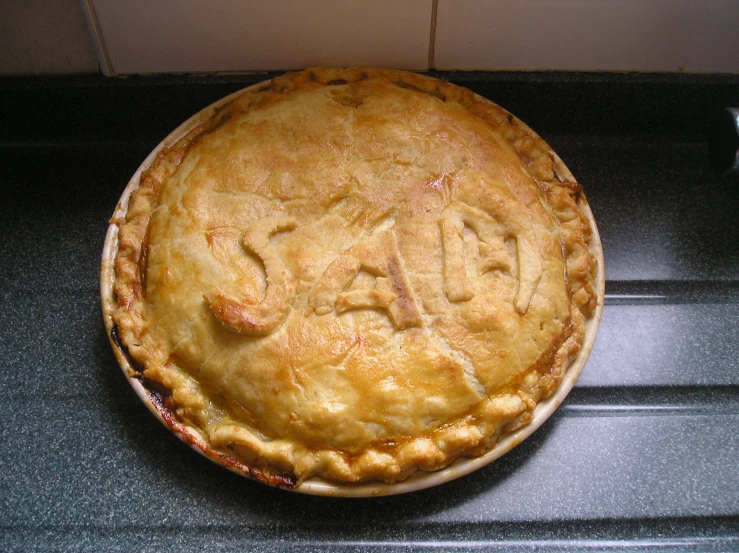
(352,282)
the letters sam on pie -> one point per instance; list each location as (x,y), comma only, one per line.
(378,255)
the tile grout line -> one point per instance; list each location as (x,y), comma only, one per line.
(432,35)
(96,37)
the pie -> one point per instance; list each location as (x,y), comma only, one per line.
(352,275)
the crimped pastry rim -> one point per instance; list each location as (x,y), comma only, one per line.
(317,486)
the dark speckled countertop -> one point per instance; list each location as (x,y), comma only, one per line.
(643,455)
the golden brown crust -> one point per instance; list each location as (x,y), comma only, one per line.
(355,274)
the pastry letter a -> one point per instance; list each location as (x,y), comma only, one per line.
(379,256)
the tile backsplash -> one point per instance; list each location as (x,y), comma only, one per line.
(589,35)
(157,36)
(165,36)
(41,37)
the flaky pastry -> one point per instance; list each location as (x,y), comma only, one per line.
(353,274)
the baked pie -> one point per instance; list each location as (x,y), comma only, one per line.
(351,275)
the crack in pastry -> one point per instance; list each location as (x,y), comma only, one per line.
(354,274)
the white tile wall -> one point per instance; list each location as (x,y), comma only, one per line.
(44,37)
(14,57)
(143,36)
(639,35)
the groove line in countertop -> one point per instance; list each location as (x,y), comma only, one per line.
(618,292)
(698,531)
(627,401)
(657,292)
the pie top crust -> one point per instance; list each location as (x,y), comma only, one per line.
(354,274)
